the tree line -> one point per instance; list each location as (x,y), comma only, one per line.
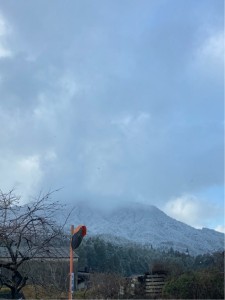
(104,256)
(187,277)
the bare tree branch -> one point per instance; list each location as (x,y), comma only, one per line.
(26,232)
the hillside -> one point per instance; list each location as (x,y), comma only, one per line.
(146,225)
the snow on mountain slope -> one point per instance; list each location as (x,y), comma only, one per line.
(146,225)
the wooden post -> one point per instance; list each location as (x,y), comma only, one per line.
(71,283)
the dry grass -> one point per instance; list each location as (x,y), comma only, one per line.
(39,292)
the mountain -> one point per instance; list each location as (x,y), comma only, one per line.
(146,225)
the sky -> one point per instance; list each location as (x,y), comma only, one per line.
(115,101)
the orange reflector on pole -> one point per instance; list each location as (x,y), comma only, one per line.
(77,236)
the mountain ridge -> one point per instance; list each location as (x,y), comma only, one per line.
(146,225)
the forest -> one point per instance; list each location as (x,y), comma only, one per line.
(103,256)
(187,277)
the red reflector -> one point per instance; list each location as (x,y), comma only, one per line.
(84,230)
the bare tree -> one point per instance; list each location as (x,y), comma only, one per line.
(26,232)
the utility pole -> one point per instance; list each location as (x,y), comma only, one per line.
(71,286)
(76,238)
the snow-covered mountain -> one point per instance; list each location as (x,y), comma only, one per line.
(146,225)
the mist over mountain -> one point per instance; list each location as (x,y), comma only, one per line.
(145,225)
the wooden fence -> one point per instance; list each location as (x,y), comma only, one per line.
(154,284)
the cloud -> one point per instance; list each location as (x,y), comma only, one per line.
(194,211)
(113,101)
(4,52)
(220,228)
(213,48)
(26,174)
(22,173)
(133,126)
(209,56)
(101,160)
(4,32)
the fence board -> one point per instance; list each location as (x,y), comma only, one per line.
(154,284)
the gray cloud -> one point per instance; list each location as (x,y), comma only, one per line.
(112,100)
